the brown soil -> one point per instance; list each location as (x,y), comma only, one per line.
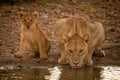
(106,13)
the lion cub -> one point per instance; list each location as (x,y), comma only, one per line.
(32,36)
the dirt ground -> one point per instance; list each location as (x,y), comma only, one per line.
(106,13)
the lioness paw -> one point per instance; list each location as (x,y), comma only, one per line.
(60,61)
(102,54)
(99,53)
(89,62)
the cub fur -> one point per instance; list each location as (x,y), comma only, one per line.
(32,36)
(78,38)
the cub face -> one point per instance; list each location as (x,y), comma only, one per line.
(28,19)
(76,48)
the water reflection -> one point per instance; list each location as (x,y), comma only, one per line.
(110,73)
(55,73)
(85,73)
(23,74)
(64,73)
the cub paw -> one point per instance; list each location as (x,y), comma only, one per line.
(17,55)
(32,55)
(44,57)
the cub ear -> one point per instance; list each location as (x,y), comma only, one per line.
(35,14)
(65,38)
(86,37)
(21,14)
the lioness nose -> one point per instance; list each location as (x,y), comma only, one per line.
(75,63)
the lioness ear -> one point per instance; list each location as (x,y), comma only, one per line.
(86,37)
(21,14)
(35,14)
(65,38)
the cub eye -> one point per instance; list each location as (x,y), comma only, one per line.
(31,20)
(25,20)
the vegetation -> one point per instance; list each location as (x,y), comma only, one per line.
(88,7)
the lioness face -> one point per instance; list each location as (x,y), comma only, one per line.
(76,49)
(28,19)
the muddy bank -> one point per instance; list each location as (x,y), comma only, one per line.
(10,30)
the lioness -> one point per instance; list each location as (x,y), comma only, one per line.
(78,38)
(32,36)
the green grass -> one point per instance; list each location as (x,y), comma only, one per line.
(48,4)
(87,6)
(1,11)
(5,7)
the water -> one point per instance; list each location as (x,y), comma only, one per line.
(60,73)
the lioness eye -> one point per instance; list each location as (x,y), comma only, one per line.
(80,51)
(70,51)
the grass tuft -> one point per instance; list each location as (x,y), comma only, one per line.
(88,7)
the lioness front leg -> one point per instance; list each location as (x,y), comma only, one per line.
(19,54)
(88,58)
(63,58)
(88,61)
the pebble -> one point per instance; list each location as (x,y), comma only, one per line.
(44,16)
(21,8)
(57,10)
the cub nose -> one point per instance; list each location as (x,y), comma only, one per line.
(28,27)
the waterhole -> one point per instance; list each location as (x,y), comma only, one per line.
(60,73)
